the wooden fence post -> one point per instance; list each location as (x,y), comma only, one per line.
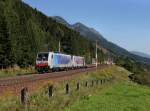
(24,96)
(67,88)
(86,84)
(78,86)
(50,91)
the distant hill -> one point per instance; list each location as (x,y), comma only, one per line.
(141,54)
(94,35)
(61,20)
(90,33)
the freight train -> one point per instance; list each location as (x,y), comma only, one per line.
(50,61)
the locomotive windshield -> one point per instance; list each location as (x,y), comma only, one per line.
(42,57)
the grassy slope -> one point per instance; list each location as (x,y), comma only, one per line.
(118,95)
(122,95)
(143,78)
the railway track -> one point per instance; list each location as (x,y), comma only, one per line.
(16,83)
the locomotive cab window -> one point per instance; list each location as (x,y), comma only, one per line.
(42,57)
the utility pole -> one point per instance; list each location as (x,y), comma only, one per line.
(59,47)
(96,54)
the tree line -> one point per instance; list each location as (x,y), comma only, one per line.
(25,31)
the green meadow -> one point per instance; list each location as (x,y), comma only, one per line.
(119,97)
(118,94)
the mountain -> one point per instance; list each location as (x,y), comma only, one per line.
(61,20)
(90,33)
(94,35)
(141,54)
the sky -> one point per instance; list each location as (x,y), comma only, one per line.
(124,22)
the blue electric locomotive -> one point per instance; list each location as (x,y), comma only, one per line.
(50,61)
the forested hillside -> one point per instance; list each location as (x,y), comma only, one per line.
(24,31)
(94,35)
(134,63)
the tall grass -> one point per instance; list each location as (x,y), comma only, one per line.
(16,71)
